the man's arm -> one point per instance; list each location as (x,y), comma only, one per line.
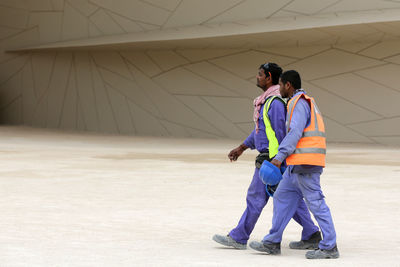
(277,117)
(248,143)
(299,121)
(235,153)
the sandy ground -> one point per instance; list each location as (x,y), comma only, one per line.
(71,199)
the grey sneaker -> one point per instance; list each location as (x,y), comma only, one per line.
(323,254)
(228,241)
(311,243)
(269,248)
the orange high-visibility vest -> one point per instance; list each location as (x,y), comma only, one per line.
(311,148)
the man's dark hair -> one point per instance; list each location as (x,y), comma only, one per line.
(274,70)
(293,77)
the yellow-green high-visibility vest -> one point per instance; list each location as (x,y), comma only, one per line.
(272,140)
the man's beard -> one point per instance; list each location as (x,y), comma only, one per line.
(262,88)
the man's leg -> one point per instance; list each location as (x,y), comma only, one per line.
(310,236)
(302,216)
(286,199)
(286,202)
(310,186)
(256,200)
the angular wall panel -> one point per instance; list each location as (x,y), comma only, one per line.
(213,116)
(246,127)
(390,141)
(229,107)
(121,110)
(170,108)
(145,123)
(113,62)
(167,60)
(196,12)
(297,52)
(81,126)
(40,113)
(21,4)
(11,67)
(85,91)
(386,75)
(248,10)
(11,90)
(126,24)
(339,107)
(200,134)
(42,65)
(75,25)
(93,30)
(105,23)
(226,79)
(394,59)
(351,47)
(14,18)
(22,39)
(379,128)
(135,9)
(366,96)
(382,50)
(130,89)
(336,132)
(183,82)
(167,4)
(245,65)
(49,24)
(58,4)
(343,6)
(175,129)
(107,122)
(143,62)
(28,94)
(12,113)
(40,5)
(58,86)
(313,6)
(194,55)
(6,32)
(331,62)
(83,6)
(70,108)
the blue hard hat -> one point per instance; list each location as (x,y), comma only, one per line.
(270,174)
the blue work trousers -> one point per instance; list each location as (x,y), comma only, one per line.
(256,200)
(290,192)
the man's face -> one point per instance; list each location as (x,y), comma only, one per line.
(261,79)
(284,88)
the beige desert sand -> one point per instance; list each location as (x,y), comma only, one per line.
(74,199)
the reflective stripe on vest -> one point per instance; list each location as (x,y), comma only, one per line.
(311,148)
(272,140)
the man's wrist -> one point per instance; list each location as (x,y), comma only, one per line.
(243,147)
(279,157)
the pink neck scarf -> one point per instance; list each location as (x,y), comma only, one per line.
(260,100)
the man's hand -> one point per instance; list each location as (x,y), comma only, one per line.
(277,163)
(235,153)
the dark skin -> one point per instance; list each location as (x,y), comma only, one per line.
(264,83)
(287,91)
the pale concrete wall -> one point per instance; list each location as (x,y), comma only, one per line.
(203,92)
